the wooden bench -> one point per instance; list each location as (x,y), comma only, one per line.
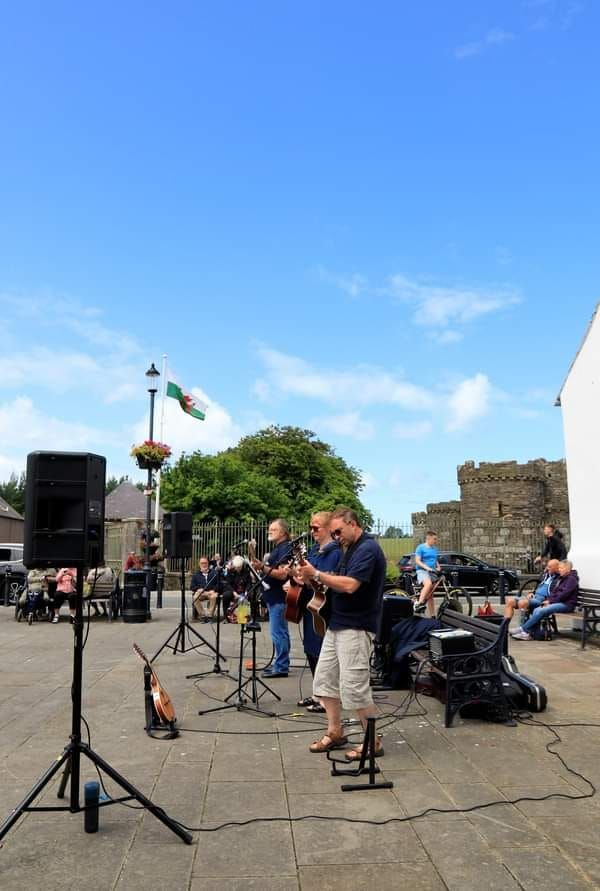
(105,593)
(472,677)
(588,607)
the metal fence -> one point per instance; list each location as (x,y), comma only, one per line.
(223,538)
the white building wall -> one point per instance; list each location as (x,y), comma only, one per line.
(580,403)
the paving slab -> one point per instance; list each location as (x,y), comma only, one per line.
(235,765)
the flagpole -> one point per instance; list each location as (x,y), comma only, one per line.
(162,434)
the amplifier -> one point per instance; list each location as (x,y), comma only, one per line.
(447,643)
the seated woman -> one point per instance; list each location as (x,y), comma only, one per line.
(561,599)
(537,597)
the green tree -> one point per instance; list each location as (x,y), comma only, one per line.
(13,492)
(278,471)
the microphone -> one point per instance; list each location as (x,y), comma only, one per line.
(299,538)
(238,544)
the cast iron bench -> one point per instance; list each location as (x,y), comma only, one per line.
(472,677)
(588,606)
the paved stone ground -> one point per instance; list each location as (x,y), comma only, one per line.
(244,771)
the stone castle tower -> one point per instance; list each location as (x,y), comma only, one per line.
(502,510)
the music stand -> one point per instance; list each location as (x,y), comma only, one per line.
(182,627)
(75,748)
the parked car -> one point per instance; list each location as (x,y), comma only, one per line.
(11,562)
(471,572)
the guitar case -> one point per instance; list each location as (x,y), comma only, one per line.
(522,691)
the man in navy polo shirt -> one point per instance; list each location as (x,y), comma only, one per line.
(342,677)
(274,596)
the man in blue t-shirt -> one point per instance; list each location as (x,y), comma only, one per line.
(342,676)
(427,562)
(276,571)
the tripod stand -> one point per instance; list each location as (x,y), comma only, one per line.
(179,632)
(75,748)
(216,669)
(253,682)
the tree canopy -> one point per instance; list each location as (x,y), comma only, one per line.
(13,492)
(283,471)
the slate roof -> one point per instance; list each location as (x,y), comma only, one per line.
(7,511)
(127,502)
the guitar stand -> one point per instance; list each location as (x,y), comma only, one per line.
(75,748)
(153,721)
(368,752)
(182,627)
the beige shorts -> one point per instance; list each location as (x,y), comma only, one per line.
(343,668)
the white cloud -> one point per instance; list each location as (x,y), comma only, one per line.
(260,389)
(65,371)
(493,37)
(23,423)
(360,385)
(369,481)
(353,285)
(349,424)
(439,306)
(412,430)
(469,401)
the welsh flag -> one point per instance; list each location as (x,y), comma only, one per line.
(192,407)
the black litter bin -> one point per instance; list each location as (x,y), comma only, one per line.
(135,606)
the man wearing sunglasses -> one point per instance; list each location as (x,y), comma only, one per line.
(342,677)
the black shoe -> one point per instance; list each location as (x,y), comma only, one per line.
(269,673)
(419,608)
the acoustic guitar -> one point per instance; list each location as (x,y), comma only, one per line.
(297,600)
(160,697)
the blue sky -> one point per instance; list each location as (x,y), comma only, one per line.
(376,221)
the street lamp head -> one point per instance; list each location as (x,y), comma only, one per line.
(152,374)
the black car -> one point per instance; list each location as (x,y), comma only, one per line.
(13,573)
(470,571)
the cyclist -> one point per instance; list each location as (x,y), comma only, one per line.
(427,563)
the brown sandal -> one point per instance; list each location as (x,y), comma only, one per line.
(327,743)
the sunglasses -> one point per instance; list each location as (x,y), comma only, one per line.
(314,528)
(335,533)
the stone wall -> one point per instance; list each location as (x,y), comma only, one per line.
(502,510)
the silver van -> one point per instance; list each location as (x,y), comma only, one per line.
(12,571)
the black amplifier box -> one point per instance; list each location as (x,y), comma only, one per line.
(448,643)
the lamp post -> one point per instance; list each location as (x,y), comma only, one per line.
(152,374)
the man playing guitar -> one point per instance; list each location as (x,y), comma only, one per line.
(324,556)
(342,677)
(273,595)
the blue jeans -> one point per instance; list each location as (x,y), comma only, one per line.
(278,627)
(540,612)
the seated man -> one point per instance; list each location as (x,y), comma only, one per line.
(537,597)
(562,599)
(204,590)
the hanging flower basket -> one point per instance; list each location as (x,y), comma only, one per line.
(151,455)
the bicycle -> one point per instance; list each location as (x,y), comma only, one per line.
(454,597)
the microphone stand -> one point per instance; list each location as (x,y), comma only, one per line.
(251,627)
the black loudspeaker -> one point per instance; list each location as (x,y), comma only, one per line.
(393,608)
(177,534)
(64,509)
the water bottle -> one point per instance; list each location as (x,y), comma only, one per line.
(91,794)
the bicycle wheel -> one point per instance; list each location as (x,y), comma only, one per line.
(528,587)
(459,600)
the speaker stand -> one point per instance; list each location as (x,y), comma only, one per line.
(75,748)
(184,626)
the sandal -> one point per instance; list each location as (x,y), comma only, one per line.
(356,754)
(327,743)
(304,703)
(315,707)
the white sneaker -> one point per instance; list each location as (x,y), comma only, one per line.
(55,620)
(521,635)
